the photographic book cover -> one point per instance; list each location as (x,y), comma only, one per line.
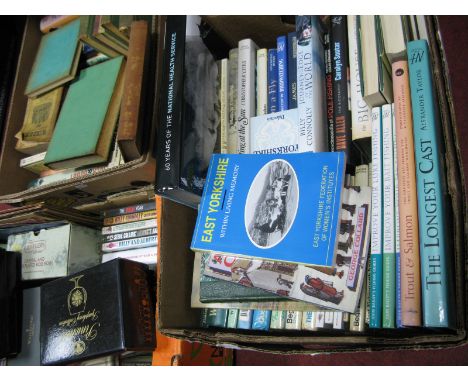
(278,207)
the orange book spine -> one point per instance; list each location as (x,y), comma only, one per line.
(407,194)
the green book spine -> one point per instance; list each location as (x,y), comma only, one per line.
(217,317)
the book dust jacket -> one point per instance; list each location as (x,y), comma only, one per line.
(277,207)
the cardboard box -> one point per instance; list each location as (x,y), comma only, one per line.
(56,252)
(179,320)
(86,189)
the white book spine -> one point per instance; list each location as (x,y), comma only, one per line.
(388,180)
(293,320)
(130,244)
(338,320)
(376,230)
(141,224)
(146,255)
(224,90)
(278,319)
(232,130)
(360,112)
(32,159)
(262,82)
(319,319)
(245,93)
(308,321)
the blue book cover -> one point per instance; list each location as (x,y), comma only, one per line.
(429,177)
(283,85)
(279,207)
(292,70)
(272,78)
(261,319)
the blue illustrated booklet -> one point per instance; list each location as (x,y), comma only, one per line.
(275,207)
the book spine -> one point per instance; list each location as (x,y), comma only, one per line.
(292,70)
(272,81)
(123,245)
(376,219)
(169,132)
(341,112)
(245,93)
(278,319)
(49,23)
(130,235)
(142,224)
(407,198)
(245,319)
(283,84)
(360,112)
(293,320)
(308,321)
(262,81)
(232,132)
(224,90)
(261,319)
(147,255)
(233,315)
(310,85)
(130,217)
(129,209)
(388,188)
(429,175)
(32,159)
(329,92)
(217,318)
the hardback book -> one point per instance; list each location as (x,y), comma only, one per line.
(395,31)
(360,112)
(275,133)
(41,115)
(283,81)
(261,320)
(329,91)
(410,271)
(85,127)
(335,288)
(112,38)
(375,271)
(252,206)
(87,37)
(376,81)
(311,84)
(244,321)
(262,82)
(146,255)
(217,318)
(388,220)
(56,60)
(130,131)
(272,81)
(432,190)
(135,208)
(34,163)
(232,132)
(245,92)
(105,309)
(50,23)
(224,104)
(292,70)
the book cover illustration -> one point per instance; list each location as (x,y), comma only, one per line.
(336,288)
(252,205)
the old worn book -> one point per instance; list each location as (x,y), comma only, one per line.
(56,60)
(116,41)
(130,130)
(85,127)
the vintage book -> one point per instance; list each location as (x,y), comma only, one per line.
(308,321)
(132,110)
(283,82)
(56,60)
(407,198)
(128,218)
(329,91)
(245,93)
(311,84)
(293,320)
(232,132)
(87,37)
(55,252)
(340,74)
(30,347)
(136,225)
(252,205)
(292,70)
(244,321)
(117,41)
(124,245)
(360,113)
(388,220)
(261,320)
(50,23)
(41,115)
(233,315)
(375,284)
(217,318)
(85,127)
(272,81)
(130,234)
(432,190)
(335,288)
(129,209)
(224,103)
(376,82)
(275,133)
(278,319)
(395,36)
(34,163)
(262,82)
(105,309)
(147,255)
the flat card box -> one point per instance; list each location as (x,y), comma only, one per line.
(56,252)
(106,309)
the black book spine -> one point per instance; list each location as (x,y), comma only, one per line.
(329,92)
(340,68)
(130,209)
(170,121)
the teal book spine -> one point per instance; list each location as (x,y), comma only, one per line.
(429,177)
